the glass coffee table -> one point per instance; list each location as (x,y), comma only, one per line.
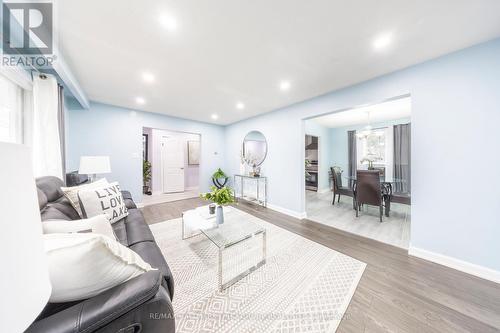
(237,228)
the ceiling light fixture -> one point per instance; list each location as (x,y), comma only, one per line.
(285,85)
(140,100)
(168,22)
(240,106)
(367,131)
(148,77)
(214,116)
(382,41)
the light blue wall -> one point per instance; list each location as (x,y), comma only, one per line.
(324,151)
(117,132)
(339,144)
(455,117)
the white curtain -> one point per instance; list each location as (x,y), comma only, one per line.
(46,140)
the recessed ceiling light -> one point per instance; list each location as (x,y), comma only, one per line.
(214,116)
(382,41)
(240,106)
(284,85)
(140,100)
(148,77)
(168,22)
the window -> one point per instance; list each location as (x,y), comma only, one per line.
(376,146)
(10,111)
(373,146)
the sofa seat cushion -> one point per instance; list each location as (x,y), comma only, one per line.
(151,253)
(132,229)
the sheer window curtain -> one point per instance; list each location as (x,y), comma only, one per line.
(45,127)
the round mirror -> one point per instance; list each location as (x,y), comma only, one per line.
(254,148)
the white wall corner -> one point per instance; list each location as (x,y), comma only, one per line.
(460,265)
(286,211)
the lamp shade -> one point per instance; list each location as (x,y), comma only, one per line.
(90,165)
(25,286)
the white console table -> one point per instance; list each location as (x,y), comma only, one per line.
(253,189)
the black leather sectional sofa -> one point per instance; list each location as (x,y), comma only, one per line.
(143,304)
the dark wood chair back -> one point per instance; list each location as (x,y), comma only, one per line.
(337,179)
(368,189)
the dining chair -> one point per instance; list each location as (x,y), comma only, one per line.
(370,191)
(338,189)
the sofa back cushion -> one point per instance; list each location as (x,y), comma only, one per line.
(52,203)
(50,186)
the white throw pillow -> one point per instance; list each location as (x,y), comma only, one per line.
(98,224)
(104,200)
(84,265)
(72,192)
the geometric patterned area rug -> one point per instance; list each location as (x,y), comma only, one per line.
(303,287)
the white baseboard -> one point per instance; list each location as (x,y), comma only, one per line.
(460,265)
(324,190)
(139,205)
(287,211)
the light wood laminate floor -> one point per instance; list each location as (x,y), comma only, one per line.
(397,293)
(148,200)
(394,230)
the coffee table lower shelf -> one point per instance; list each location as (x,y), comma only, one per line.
(224,285)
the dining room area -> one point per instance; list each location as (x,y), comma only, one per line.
(360,162)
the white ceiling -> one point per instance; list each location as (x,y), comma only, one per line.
(372,114)
(227,51)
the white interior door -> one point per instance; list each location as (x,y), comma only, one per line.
(172,160)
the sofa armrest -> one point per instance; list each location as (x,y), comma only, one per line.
(129,202)
(100,310)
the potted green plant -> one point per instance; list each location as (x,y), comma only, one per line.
(219,178)
(220,196)
(146,176)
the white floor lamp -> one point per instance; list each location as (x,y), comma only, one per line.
(25,287)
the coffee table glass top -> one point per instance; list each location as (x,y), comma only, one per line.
(234,230)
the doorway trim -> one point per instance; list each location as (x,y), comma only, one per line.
(158,189)
(302,146)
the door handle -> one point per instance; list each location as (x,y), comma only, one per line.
(182,168)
